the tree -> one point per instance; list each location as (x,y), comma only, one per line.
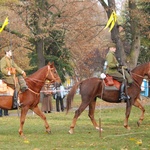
(74,29)
(132,57)
(85,36)
(39,18)
(144,7)
(12,41)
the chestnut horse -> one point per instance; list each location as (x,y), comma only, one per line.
(30,98)
(92,88)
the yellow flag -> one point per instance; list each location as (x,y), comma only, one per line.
(109,21)
(112,20)
(4,24)
(112,25)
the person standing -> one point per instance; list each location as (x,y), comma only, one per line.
(59,96)
(112,70)
(1,114)
(46,100)
(5,112)
(9,70)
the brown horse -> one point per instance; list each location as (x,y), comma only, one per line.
(92,88)
(30,98)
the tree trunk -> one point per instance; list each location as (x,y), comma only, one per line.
(120,53)
(131,59)
(40,41)
(135,47)
(39,49)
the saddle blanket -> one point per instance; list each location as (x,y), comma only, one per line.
(111,84)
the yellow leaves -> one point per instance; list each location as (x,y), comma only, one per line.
(139,142)
(26,141)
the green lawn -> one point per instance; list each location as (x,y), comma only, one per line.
(86,137)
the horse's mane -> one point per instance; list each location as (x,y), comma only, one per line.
(36,73)
(140,66)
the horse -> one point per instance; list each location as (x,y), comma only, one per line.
(30,98)
(93,87)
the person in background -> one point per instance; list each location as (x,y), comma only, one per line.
(59,96)
(113,70)
(46,100)
(10,70)
(5,112)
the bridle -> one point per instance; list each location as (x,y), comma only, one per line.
(52,75)
(48,72)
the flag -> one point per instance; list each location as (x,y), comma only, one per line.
(4,24)
(112,20)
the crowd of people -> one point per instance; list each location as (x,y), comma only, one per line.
(49,92)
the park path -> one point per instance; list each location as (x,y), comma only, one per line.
(99,105)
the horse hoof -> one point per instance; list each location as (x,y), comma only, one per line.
(48,132)
(97,128)
(127,127)
(138,124)
(70,132)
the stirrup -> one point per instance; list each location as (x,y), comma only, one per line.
(124,97)
(19,104)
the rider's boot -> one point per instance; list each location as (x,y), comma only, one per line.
(123,96)
(15,98)
(22,83)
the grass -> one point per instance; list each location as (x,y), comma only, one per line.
(114,136)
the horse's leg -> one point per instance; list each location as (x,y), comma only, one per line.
(139,105)
(77,114)
(43,117)
(127,114)
(24,111)
(91,113)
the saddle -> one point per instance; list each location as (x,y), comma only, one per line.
(5,90)
(111,84)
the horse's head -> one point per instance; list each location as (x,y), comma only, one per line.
(52,74)
(148,74)
(147,68)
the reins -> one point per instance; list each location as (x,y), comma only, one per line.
(34,92)
(136,82)
(137,75)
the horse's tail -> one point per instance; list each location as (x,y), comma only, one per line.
(70,96)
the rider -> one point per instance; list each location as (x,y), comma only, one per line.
(9,69)
(112,70)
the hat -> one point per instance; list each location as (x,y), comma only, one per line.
(111,45)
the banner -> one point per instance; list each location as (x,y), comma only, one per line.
(4,24)
(112,20)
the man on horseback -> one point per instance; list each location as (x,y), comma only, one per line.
(112,70)
(9,69)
